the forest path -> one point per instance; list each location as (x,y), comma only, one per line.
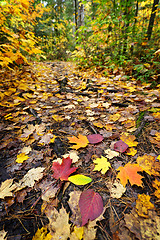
(43,105)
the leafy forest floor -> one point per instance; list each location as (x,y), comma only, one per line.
(116,125)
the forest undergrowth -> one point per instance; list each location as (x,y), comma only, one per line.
(79,154)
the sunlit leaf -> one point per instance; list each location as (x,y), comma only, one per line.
(79,179)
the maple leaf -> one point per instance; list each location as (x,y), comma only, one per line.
(63,170)
(143,204)
(101,164)
(34,174)
(149,164)
(21,158)
(42,234)
(114,117)
(6,188)
(129,139)
(3,235)
(116,189)
(156,185)
(111,154)
(131,151)
(91,205)
(58,223)
(129,172)
(81,141)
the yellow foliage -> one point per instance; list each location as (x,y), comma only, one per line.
(22,16)
(42,234)
(143,204)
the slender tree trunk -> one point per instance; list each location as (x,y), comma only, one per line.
(152,17)
(133,30)
(80,14)
(76,13)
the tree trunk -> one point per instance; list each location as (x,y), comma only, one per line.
(80,14)
(76,13)
(151,21)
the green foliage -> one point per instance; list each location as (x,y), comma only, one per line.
(117,33)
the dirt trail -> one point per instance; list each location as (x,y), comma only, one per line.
(44,104)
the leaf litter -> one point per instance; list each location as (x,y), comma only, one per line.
(115,165)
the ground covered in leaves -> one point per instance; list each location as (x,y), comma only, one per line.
(106,130)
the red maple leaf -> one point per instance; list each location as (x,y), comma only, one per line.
(63,170)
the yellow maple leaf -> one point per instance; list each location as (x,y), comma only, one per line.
(156,115)
(157,134)
(98,124)
(143,204)
(77,233)
(114,117)
(149,165)
(129,139)
(156,185)
(109,127)
(131,151)
(21,158)
(102,164)
(81,141)
(42,234)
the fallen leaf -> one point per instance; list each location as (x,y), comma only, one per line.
(143,204)
(81,141)
(3,235)
(102,164)
(73,155)
(116,189)
(95,138)
(21,158)
(91,205)
(111,154)
(7,188)
(131,151)
(129,139)
(149,164)
(156,185)
(109,127)
(114,117)
(77,233)
(74,206)
(58,223)
(98,124)
(90,230)
(129,172)
(143,228)
(80,179)
(42,234)
(157,136)
(26,150)
(120,146)
(63,170)
(34,174)
(57,118)
(47,138)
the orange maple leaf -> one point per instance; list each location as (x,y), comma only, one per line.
(81,141)
(129,172)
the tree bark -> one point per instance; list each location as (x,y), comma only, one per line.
(152,17)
